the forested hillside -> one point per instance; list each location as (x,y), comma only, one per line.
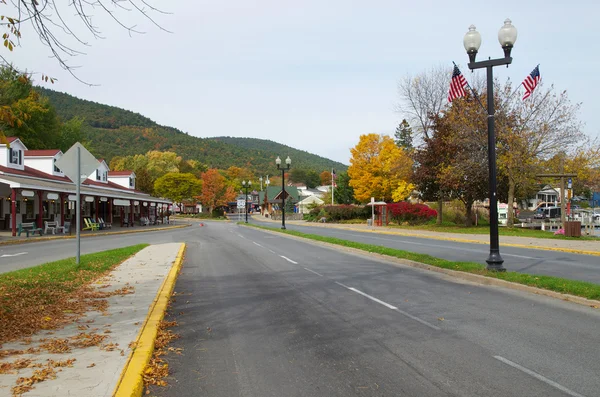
(116,132)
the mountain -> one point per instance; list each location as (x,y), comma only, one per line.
(117,132)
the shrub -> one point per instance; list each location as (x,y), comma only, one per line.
(414,214)
(336,213)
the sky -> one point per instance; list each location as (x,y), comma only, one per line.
(313,75)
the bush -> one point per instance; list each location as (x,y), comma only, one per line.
(414,214)
(338,213)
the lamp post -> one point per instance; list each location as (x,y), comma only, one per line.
(260,179)
(288,162)
(246,186)
(472,41)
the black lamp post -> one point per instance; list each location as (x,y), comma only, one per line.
(288,162)
(246,185)
(472,41)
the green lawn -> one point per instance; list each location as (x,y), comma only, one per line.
(577,288)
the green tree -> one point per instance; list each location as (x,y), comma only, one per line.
(178,187)
(403,135)
(312,179)
(71,131)
(343,192)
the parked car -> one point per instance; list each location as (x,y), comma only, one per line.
(547,213)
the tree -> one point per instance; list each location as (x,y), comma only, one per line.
(46,19)
(215,191)
(343,192)
(298,175)
(325,177)
(178,187)
(403,135)
(377,168)
(533,131)
(71,131)
(312,179)
(421,98)
(424,96)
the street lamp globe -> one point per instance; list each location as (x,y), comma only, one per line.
(288,161)
(472,42)
(278,161)
(507,36)
(243,183)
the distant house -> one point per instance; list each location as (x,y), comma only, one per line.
(546,194)
(270,199)
(304,206)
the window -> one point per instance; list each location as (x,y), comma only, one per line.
(56,169)
(16,157)
(98,175)
(131,182)
(104,176)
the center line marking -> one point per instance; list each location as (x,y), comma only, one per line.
(289,260)
(312,271)
(538,376)
(390,307)
(254,242)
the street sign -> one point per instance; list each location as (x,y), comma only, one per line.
(68,162)
(241,203)
(569,183)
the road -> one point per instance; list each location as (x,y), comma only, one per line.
(524,260)
(266,315)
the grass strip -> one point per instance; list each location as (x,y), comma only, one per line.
(42,297)
(557,284)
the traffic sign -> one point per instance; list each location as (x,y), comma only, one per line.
(241,203)
(569,183)
(68,163)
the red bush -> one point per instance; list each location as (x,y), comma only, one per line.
(411,213)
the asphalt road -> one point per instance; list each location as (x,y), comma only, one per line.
(524,260)
(266,315)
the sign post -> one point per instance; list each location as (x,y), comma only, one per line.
(373,211)
(77,163)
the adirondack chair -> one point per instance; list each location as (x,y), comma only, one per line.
(90,225)
(105,225)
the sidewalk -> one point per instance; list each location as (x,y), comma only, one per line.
(95,371)
(7,238)
(573,246)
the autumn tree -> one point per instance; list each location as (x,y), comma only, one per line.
(325,177)
(531,132)
(178,187)
(215,191)
(378,168)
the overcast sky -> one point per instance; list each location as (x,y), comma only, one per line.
(310,74)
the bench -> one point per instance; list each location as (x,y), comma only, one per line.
(50,227)
(29,227)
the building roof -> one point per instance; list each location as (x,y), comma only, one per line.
(120,173)
(41,153)
(10,139)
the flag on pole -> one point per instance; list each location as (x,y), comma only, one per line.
(457,85)
(531,81)
(333,177)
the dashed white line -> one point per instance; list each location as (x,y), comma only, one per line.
(17,254)
(390,307)
(255,243)
(240,236)
(271,251)
(538,376)
(288,259)
(368,296)
(312,271)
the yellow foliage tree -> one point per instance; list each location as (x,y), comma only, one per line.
(403,190)
(378,168)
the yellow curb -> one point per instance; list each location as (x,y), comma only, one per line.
(476,278)
(12,242)
(461,240)
(131,384)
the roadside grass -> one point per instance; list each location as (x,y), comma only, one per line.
(485,229)
(561,285)
(49,295)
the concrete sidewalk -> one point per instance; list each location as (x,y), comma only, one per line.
(589,247)
(98,369)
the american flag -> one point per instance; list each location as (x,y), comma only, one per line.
(531,81)
(457,85)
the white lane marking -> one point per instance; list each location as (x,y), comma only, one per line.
(240,236)
(390,307)
(312,271)
(289,260)
(271,251)
(369,296)
(20,253)
(538,376)
(254,242)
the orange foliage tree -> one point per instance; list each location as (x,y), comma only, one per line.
(215,191)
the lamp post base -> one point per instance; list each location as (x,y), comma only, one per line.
(495,262)
(283,227)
